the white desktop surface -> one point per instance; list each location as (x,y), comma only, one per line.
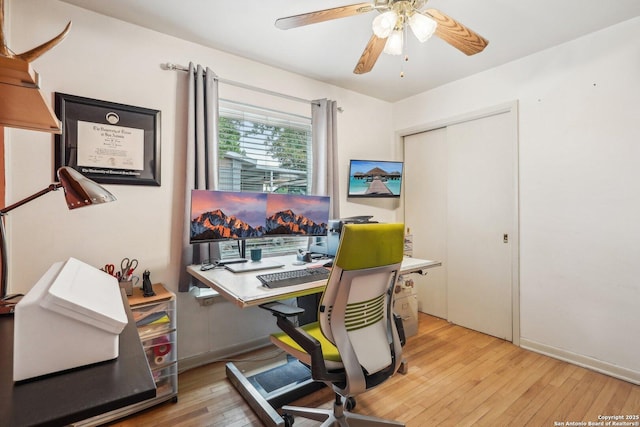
(245,290)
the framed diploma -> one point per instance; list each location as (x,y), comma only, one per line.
(107,142)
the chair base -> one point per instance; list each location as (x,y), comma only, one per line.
(338,417)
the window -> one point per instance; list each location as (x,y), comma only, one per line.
(267,151)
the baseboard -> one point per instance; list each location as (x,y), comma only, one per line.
(225,353)
(584,361)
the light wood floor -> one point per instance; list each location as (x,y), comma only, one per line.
(457,377)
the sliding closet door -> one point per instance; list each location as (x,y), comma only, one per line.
(425,157)
(461,206)
(481,203)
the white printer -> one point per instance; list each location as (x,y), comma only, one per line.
(72,317)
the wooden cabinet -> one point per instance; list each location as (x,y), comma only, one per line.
(155,319)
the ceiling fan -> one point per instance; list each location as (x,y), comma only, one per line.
(390,27)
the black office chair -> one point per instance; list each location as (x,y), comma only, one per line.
(355,345)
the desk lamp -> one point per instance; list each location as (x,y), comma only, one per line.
(79,191)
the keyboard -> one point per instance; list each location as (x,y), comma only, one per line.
(293,277)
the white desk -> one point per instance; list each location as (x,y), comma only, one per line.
(245,290)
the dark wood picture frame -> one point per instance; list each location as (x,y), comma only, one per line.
(118,144)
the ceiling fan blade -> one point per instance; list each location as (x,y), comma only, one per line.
(322,15)
(456,34)
(370,55)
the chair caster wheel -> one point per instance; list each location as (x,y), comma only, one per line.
(350,403)
(288,420)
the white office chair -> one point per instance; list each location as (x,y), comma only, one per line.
(355,345)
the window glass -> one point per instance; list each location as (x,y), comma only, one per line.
(267,151)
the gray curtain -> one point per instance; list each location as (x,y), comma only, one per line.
(202,160)
(324,178)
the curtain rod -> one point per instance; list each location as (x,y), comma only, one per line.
(175,67)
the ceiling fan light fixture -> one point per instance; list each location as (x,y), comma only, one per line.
(394,43)
(390,23)
(384,24)
(422,26)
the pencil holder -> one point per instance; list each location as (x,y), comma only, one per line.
(128,285)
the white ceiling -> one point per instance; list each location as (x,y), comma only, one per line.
(329,51)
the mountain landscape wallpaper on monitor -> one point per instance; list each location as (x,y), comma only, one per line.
(374,178)
(297,214)
(224,215)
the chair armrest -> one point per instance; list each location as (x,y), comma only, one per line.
(308,343)
(299,335)
(279,309)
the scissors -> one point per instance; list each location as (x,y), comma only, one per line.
(109,269)
(127,266)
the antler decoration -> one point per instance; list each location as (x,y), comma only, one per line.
(34,53)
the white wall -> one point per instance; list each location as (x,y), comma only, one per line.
(113,61)
(579,190)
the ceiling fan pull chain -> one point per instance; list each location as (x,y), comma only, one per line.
(405,54)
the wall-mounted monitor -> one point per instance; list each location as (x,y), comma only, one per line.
(374,178)
(293,214)
(225,215)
